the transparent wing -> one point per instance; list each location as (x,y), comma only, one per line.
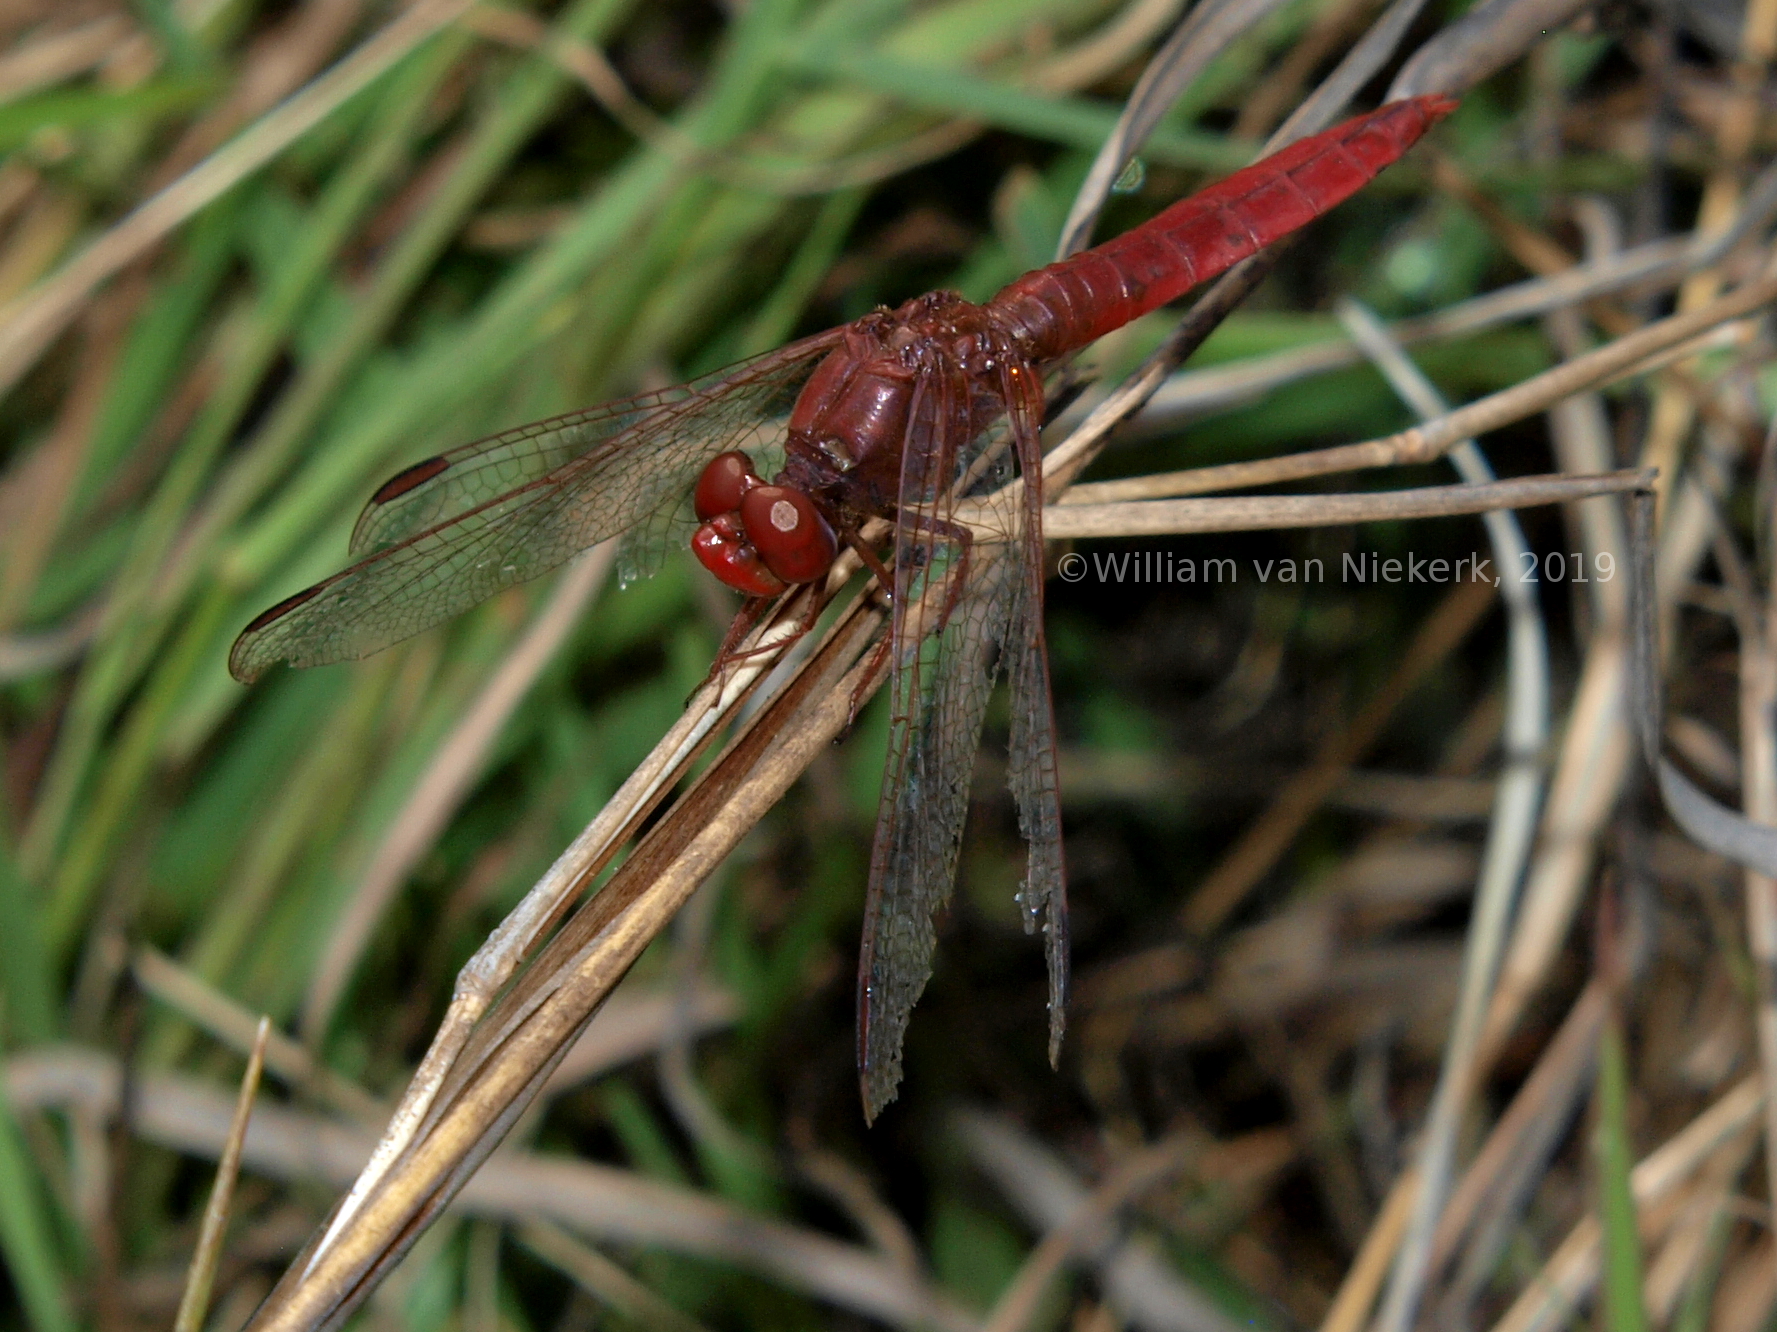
(439,488)
(961,607)
(451,531)
(1031,771)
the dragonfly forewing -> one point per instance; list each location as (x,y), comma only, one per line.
(451,531)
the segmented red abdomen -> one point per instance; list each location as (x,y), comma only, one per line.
(1063,307)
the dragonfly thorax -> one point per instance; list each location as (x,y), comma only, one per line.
(852,410)
(860,410)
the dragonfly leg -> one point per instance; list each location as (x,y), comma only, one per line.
(879,658)
(965,541)
(744,621)
(965,546)
(861,691)
(871,562)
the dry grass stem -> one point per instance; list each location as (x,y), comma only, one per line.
(202,1276)
(1265,512)
(1550,1297)
(605,1204)
(236,1027)
(603,1279)
(1636,354)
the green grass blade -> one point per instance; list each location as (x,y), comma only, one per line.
(25,1234)
(1621,1278)
(24,964)
(1074,121)
(86,107)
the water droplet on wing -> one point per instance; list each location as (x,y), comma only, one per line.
(1133,176)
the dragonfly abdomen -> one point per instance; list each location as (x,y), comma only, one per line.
(1067,305)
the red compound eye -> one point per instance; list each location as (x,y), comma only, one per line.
(725,478)
(721,546)
(789,533)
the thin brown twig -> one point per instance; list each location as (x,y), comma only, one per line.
(1268,512)
(1634,354)
(202,1274)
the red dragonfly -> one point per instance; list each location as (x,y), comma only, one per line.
(897,415)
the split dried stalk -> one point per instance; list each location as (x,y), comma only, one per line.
(472,1092)
(497,960)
